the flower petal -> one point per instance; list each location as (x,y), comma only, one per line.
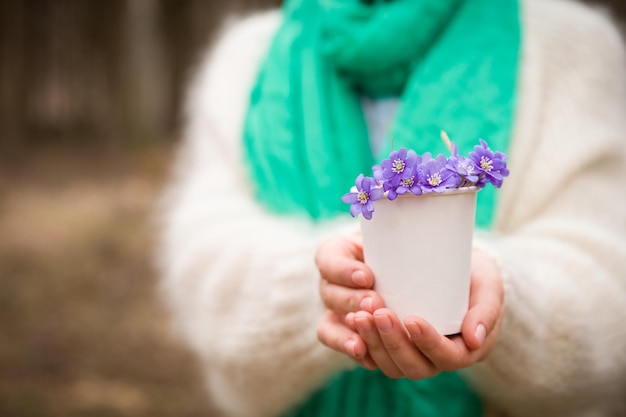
(359,181)
(350,198)
(376,193)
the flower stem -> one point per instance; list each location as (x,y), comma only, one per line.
(446,140)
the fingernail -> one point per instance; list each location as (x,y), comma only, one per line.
(383,323)
(358,277)
(481,333)
(414,330)
(363,324)
(349,347)
(366,304)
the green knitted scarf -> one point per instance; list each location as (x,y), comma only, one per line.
(452,63)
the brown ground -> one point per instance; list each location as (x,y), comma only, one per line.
(82,331)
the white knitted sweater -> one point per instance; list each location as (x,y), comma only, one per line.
(242,283)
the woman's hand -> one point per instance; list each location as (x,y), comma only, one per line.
(346,287)
(356,323)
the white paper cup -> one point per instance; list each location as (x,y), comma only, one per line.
(419,248)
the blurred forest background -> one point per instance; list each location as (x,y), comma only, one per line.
(90,93)
(90,98)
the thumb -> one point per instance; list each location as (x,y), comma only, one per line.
(486,307)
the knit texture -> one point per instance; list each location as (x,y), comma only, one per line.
(243,287)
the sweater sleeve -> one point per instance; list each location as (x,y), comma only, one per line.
(561,229)
(241,282)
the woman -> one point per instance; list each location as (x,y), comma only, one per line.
(276,127)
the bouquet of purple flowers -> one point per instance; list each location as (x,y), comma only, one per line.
(407,172)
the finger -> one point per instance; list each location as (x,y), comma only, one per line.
(409,360)
(445,353)
(375,347)
(486,306)
(367,362)
(334,334)
(349,321)
(344,300)
(340,261)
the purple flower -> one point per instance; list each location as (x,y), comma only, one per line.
(399,173)
(398,165)
(491,164)
(435,176)
(408,183)
(463,166)
(362,200)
